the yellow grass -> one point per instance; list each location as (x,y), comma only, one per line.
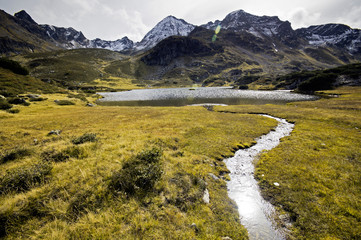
(191,138)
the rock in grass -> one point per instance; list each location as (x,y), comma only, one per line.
(194,226)
(213,176)
(33,96)
(54,132)
(90,105)
(206,196)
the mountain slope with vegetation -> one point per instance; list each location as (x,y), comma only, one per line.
(310,81)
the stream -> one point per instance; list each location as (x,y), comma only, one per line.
(256,214)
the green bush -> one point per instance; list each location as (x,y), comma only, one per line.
(64,102)
(38,99)
(13,111)
(139,174)
(13,66)
(4,104)
(87,137)
(14,154)
(22,179)
(18,101)
(322,81)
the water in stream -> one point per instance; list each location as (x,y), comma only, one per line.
(255,213)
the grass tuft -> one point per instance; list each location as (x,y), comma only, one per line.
(139,174)
(54,156)
(14,154)
(86,137)
(22,179)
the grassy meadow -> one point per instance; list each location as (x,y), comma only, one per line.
(64,186)
(69,171)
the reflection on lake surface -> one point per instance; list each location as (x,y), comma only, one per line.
(201,95)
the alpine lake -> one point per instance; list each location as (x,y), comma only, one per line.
(199,96)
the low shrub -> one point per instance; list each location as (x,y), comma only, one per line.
(18,101)
(22,179)
(139,174)
(87,137)
(38,99)
(14,154)
(13,66)
(5,105)
(322,81)
(64,102)
(13,111)
(54,156)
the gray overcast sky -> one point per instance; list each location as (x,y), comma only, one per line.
(114,19)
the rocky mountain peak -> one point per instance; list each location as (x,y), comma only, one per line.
(123,44)
(23,15)
(261,27)
(169,26)
(257,25)
(339,35)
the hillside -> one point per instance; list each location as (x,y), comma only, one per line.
(310,81)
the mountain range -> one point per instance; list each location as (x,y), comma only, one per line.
(240,48)
(334,35)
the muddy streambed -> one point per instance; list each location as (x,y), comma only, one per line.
(256,214)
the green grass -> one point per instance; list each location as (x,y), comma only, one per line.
(13,84)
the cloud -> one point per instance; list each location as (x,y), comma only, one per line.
(301,17)
(128,22)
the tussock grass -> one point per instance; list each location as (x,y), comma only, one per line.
(86,137)
(22,179)
(14,154)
